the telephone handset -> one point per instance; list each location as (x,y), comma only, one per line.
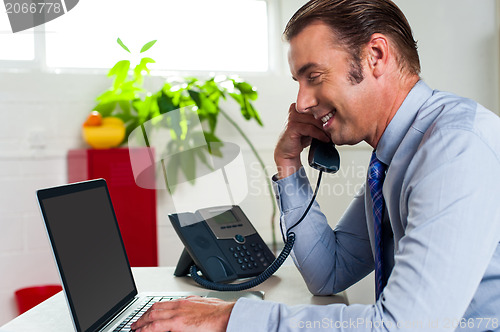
(324,156)
(225,246)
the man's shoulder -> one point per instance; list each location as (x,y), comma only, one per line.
(448,130)
(446,111)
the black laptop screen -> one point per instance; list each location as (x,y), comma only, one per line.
(89,250)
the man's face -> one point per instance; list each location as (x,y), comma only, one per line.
(327,90)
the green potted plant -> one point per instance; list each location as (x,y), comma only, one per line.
(128,100)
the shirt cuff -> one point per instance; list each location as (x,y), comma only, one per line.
(251,315)
(293,191)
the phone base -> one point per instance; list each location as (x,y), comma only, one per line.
(183,265)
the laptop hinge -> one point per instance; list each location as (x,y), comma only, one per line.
(118,314)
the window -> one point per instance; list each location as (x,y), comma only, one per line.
(15,47)
(215,35)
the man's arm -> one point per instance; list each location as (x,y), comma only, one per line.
(329,260)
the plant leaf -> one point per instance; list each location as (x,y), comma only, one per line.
(247,90)
(212,122)
(210,137)
(214,150)
(244,108)
(176,124)
(143,108)
(237,97)
(125,106)
(253,112)
(154,109)
(107,96)
(208,105)
(196,97)
(172,170)
(105,108)
(147,46)
(119,41)
(165,103)
(201,155)
(144,62)
(188,165)
(131,125)
(120,70)
(142,66)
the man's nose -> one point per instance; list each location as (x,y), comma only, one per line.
(306,100)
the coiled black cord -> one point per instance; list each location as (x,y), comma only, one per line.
(271,269)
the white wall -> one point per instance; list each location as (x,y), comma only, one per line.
(42,114)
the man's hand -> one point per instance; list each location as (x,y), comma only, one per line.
(299,130)
(193,313)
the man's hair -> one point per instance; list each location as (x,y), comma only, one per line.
(353,22)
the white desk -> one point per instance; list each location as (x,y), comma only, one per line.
(286,286)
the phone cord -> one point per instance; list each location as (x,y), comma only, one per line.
(271,269)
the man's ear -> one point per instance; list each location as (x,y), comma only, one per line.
(377,52)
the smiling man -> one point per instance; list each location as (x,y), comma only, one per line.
(428,221)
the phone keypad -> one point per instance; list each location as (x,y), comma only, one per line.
(250,256)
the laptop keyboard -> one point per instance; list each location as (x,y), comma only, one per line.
(141,309)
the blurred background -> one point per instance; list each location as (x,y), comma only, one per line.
(51,75)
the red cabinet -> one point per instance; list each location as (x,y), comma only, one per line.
(135,207)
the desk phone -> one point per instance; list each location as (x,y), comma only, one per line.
(224,244)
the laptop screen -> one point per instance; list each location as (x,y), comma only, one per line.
(89,251)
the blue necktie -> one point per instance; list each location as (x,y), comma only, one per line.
(376,175)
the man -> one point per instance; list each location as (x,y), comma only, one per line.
(432,233)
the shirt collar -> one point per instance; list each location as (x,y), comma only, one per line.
(402,121)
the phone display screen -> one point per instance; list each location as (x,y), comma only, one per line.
(225,218)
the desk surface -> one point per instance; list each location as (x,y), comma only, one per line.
(286,286)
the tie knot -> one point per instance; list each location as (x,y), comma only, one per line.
(376,170)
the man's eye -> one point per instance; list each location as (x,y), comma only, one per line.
(314,77)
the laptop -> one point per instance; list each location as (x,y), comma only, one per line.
(92,262)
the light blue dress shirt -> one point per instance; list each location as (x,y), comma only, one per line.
(442,194)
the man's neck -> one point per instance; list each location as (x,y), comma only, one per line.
(396,96)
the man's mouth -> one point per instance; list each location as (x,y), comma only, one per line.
(327,117)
